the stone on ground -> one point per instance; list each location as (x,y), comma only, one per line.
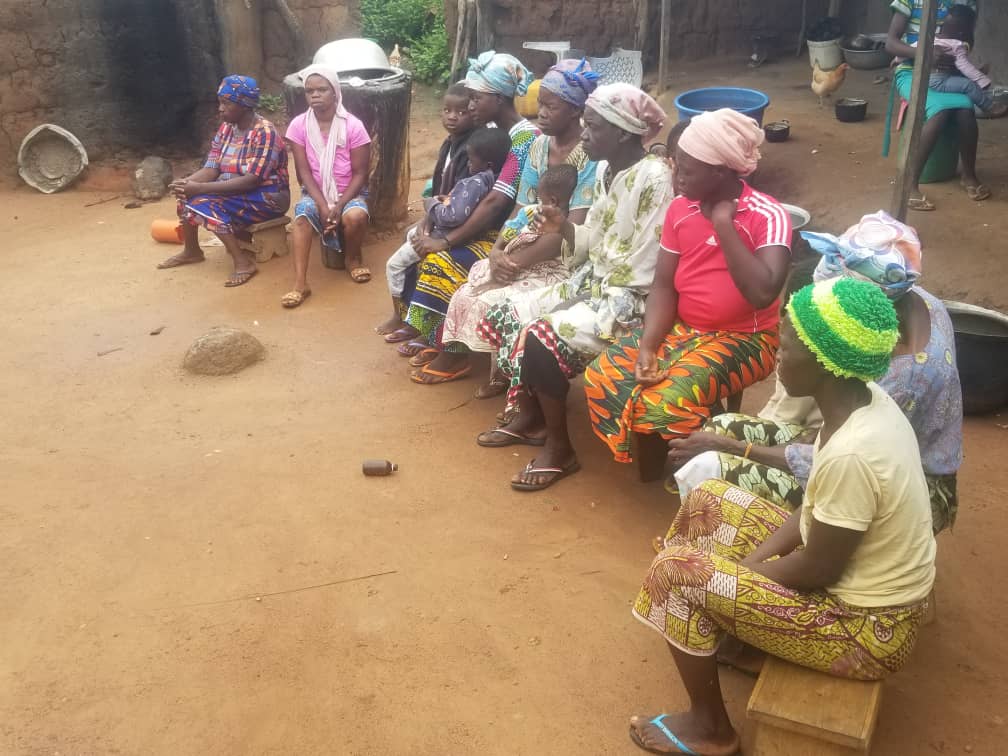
(223,351)
(151,178)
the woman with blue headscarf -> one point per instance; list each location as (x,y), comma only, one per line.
(242,182)
(769,457)
(563,93)
(493,82)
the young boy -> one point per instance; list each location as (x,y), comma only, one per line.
(486,151)
(955,38)
(452,165)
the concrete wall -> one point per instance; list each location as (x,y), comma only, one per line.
(992,28)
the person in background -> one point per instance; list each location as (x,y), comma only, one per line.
(840,585)
(452,165)
(332,155)
(243,181)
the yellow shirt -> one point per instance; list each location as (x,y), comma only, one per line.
(868,477)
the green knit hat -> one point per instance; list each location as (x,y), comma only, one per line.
(849,325)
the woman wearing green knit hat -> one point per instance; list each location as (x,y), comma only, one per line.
(840,585)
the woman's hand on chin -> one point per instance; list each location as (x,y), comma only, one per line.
(684,449)
(503,269)
(723,213)
(646,370)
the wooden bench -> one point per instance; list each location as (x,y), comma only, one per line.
(801,712)
(268,239)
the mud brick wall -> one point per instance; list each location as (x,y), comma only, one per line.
(323,20)
(117,73)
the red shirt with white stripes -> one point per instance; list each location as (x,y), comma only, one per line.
(709,300)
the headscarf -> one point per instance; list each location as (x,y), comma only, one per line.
(326,149)
(724,137)
(499,74)
(629,108)
(243,90)
(849,325)
(572,81)
(878,249)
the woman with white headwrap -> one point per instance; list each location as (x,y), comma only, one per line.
(710,328)
(546,336)
(332,154)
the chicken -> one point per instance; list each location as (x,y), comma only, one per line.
(825,83)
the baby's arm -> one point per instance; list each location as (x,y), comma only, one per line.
(967,69)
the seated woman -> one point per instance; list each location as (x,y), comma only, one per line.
(562,96)
(839,585)
(243,181)
(547,336)
(332,155)
(941,107)
(767,456)
(710,328)
(493,81)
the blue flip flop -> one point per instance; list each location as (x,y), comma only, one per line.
(657,722)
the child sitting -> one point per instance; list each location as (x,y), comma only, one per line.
(955,38)
(452,166)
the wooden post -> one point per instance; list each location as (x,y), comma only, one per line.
(241,36)
(643,12)
(663,43)
(910,145)
(834,8)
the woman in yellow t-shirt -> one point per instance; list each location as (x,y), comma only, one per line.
(841,584)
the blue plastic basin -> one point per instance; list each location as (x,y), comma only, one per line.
(748,101)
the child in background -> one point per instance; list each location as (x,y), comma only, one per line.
(452,166)
(955,38)
(671,144)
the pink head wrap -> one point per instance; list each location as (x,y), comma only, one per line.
(629,108)
(724,137)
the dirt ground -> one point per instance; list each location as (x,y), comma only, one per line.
(197,566)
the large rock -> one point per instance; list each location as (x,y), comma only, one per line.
(151,178)
(223,351)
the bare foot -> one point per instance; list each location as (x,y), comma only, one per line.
(391,325)
(182,258)
(652,734)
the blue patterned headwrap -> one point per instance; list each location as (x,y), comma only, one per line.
(572,81)
(241,89)
(499,74)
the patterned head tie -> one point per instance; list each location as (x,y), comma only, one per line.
(878,249)
(498,73)
(849,325)
(629,108)
(572,81)
(243,90)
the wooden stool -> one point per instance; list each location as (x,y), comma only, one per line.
(801,712)
(268,238)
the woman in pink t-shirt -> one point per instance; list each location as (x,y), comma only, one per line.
(332,154)
(710,327)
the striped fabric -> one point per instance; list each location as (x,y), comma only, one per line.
(914,9)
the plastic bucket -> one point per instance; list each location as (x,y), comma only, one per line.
(166,231)
(943,162)
(750,102)
(827,54)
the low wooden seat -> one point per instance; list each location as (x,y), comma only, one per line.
(269,238)
(801,712)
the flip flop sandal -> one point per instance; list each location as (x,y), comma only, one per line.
(400,335)
(427,377)
(510,439)
(921,204)
(426,355)
(977,193)
(558,473)
(411,349)
(491,389)
(360,275)
(240,279)
(294,298)
(678,746)
(176,261)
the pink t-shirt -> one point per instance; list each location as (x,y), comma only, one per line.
(709,299)
(356,136)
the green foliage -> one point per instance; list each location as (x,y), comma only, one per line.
(417,26)
(270,103)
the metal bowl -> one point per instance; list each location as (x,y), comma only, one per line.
(874,56)
(799,216)
(355,56)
